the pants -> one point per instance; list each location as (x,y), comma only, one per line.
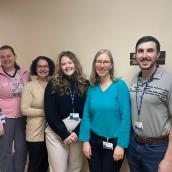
(102,159)
(145,157)
(62,157)
(38,158)
(13,160)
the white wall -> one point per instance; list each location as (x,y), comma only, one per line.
(46,27)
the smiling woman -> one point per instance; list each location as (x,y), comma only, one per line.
(32,106)
(67,66)
(64,103)
(12,80)
(105,127)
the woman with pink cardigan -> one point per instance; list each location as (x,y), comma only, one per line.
(12,125)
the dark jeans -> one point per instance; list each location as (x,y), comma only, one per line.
(102,159)
(145,157)
(38,158)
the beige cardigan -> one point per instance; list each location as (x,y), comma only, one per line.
(32,106)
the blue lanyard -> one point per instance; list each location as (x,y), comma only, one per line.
(72,96)
(139,104)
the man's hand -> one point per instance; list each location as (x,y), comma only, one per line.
(165,166)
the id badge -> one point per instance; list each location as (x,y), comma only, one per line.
(74,116)
(2,119)
(107,145)
(139,126)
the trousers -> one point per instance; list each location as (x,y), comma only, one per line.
(145,157)
(62,157)
(38,158)
(13,149)
(102,159)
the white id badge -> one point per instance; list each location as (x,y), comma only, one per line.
(139,126)
(2,119)
(107,145)
(74,116)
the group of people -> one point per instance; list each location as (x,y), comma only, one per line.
(56,116)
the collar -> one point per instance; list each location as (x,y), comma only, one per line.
(156,75)
(22,71)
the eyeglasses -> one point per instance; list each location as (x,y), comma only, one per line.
(99,62)
(42,67)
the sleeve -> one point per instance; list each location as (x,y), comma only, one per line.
(76,130)
(26,77)
(84,133)
(26,103)
(125,111)
(51,113)
(169,98)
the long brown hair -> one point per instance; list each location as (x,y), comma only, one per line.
(61,85)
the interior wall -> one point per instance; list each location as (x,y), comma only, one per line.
(45,27)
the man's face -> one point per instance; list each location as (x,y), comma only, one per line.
(147,55)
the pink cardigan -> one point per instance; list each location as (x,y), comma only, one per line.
(9,104)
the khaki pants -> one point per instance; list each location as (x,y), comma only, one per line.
(62,157)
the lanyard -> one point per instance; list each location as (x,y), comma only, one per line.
(139,103)
(72,96)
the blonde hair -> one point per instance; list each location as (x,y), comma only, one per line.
(94,78)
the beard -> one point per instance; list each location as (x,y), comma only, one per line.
(147,67)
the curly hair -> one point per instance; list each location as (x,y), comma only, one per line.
(61,84)
(33,67)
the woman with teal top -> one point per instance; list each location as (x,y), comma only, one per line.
(106,122)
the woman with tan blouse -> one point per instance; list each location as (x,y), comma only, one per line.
(32,106)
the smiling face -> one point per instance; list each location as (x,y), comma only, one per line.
(42,69)
(67,66)
(7,59)
(103,65)
(147,55)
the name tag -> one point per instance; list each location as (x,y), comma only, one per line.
(107,145)
(139,126)
(74,116)
(2,119)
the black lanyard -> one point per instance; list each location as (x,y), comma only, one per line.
(139,104)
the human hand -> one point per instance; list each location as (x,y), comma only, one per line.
(74,137)
(87,149)
(2,132)
(165,166)
(118,153)
(71,138)
(68,140)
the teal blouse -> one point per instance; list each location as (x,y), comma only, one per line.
(107,113)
